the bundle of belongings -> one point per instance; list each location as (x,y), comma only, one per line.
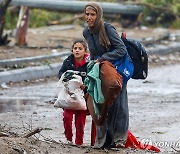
(103,84)
(70,96)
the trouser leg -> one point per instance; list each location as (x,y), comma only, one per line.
(80,118)
(67,121)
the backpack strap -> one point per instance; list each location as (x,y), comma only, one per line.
(123,35)
(94,43)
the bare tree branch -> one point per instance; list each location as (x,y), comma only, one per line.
(34,131)
(2,134)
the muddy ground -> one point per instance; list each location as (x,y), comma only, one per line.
(153,104)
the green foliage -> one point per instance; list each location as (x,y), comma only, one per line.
(164,13)
(152,16)
(47,128)
(37,18)
(176,8)
(11,20)
(176,24)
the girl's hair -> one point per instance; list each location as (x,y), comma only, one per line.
(79,41)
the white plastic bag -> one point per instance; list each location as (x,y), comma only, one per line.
(70,96)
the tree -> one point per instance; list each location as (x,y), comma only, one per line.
(3,7)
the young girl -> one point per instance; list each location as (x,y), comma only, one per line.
(77,61)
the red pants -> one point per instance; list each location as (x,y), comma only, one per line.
(80,118)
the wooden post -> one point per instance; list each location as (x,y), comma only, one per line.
(22,26)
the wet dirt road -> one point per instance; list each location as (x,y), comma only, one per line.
(153,107)
(30,107)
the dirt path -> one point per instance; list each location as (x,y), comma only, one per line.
(154,113)
(153,104)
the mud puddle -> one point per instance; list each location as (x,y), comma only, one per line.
(16,105)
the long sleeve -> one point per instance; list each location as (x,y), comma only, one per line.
(62,69)
(98,51)
(118,48)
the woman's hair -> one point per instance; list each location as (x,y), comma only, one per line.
(99,24)
(79,41)
(99,12)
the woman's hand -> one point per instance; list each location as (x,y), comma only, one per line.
(99,60)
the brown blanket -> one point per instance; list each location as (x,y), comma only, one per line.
(111,82)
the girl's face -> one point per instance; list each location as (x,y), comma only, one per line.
(78,51)
(90,17)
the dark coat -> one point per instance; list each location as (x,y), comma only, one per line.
(98,51)
(68,64)
(115,130)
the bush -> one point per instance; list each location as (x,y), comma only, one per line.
(11,19)
(37,17)
(164,13)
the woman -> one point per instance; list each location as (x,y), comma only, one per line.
(105,44)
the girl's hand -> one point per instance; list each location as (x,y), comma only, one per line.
(82,86)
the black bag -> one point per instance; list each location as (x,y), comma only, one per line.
(139,57)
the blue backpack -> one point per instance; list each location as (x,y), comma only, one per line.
(124,66)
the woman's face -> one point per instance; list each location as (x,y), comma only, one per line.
(90,17)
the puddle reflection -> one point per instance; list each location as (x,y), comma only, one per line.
(11,105)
